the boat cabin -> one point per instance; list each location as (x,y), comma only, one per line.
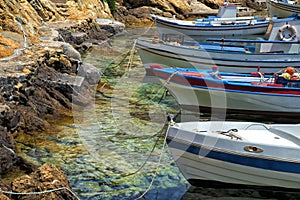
(286,36)
(227,10)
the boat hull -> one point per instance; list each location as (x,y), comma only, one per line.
(200,169)
(227,61)
(198,32)
(282,9)
(225,101)
(204,157)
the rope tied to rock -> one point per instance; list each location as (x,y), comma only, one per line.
(38,193)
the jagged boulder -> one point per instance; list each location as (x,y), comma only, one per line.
(214,4)
(20,17)
(7,151)
(136,12)
(89,72)
(173,6)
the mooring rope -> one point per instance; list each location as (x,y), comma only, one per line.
(9,149)
(129,64)
(162,87)
(144,163)
(156,171)
(38,193)
(147,30)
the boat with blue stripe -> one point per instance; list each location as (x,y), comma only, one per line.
(242,153)
(225,24)
(279,48)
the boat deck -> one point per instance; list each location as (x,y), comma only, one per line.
(265,137)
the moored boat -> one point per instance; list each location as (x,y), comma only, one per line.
(233,93)
(226,23)
(239,154)
(282,8)
(279,48)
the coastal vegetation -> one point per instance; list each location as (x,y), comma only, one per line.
(111,4)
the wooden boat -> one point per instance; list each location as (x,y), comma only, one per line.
(279,49)
(232,93)
(226,23)
(282,8)
(237,154)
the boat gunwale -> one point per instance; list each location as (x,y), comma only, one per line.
(210,85)
(163,49)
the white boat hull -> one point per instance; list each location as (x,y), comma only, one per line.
(239,62)
(196,168)
(197,32)
(282,9)
(271,55)
(217,100)
(202,153)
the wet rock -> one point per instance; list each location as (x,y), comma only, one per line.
(79,37)
(71,52)
(7,151)
(111,27)
(89,72)
(9,118)
(78,34)
(4,187)
(46,177)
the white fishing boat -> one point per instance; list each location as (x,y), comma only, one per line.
(226,24)
(278,49)
(282,8)
(241,154)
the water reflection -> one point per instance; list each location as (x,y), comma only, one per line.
(200,193)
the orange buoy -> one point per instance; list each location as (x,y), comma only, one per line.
(290,70)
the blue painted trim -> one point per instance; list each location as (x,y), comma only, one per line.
(211,27)
(251,41)
(262,163)
(177,54)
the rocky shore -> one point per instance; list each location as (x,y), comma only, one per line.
(37,85)
(41,73)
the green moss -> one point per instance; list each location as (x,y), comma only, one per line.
(111,5)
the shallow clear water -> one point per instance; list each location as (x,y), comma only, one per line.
(114,148)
